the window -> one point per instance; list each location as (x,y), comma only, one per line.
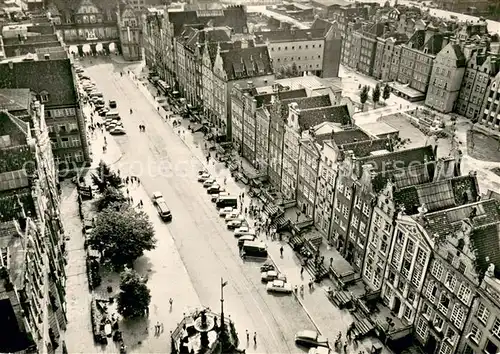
(445,348)
(340,188)
(482,313)
(475,334)
(438,323)
(348,193)
(408,313)
(444,303)
(44,96)
(490,348)
(387,227)
(345,211)
(457,315)
(496,328)
(366,209)
(362,228)
(426,311)
(378,219)
(422,328)
(437,270)
(337,205)
(450,281)
(464,293)
(357,202)
(355,221)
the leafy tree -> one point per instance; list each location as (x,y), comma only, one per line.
(111,196)
(105,177)
(376,95)
(134,297)
(281,72)
(363,96)
(122,235)
(294,70)
(387,92)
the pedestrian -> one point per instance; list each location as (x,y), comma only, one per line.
(170,301)
(345,347)
(255,338)
(248,336)
(301,270)
(140,128)
(225,180)
(281,251)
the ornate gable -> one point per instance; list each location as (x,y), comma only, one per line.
(87,7)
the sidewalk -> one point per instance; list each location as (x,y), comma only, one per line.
(327,318)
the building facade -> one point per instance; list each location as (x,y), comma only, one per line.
(308,172)
(489,116)
(130,30)
(446,79)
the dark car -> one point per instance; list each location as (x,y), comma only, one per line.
(310,339)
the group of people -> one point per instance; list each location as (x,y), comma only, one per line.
(142,128)
(254,337)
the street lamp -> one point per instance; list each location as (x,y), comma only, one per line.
(222,285)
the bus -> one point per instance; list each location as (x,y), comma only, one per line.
(227,201)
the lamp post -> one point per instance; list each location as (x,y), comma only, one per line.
(222,285)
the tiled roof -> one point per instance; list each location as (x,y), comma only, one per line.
(320,23)
(265,99)
(437,195)
(399,159)
(73,5)
(435,43)
(53,76)
(15,99)
(485,241)
(290,35)
(233,16)
(241,63)
(459,55)
(417,40)
(311,117)
(46,38)
(449,221)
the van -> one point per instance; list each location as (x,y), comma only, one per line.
(227,201)
(112,114)
(163,210)
(242,240)
(254,249)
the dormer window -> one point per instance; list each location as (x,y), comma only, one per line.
(44,96)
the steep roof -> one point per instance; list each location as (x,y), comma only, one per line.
(15,99)
(305,103)
(437,195)
(349,136)
(435,43)
(449,221)
(265,98)
(322,24)
(53,76)
(290,35)
(46,38)
(485,241)
(311,117)
(417,40)
(365,147)
(241,63)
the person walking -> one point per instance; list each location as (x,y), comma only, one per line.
(254,338)
(301,271)
(248,336)
(281,251)
(170,301)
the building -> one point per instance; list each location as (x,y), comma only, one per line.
(480,70)
(465,6)
(417,57)
(86,22)
(460,237)
(387,56)
(369,41)
(359,182)
(482,327)
(489,114)
(199,16)
(234,66)
(446,78)
(51,81)
(153,40)
(315,50)
(130,30)
(32,309)
(351,45)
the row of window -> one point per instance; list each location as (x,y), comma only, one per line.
(306,46)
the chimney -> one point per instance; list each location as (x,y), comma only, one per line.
(250,84)
(292,30)
(309,35)
(11,65)
(47,56)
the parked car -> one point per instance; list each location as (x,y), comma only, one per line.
(232,216)
(242,239)
(267,266)
(102,112)
(310,338)
(243,230)
(156,197)
(271,275)
(279,286)
(117,131)
(112,104)
(163,210)
(224,211)
(214,189)
(236,223)
(203,177)
(217,195)
(208,182)
(320,350)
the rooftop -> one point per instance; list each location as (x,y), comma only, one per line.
(12,243)
(241,63)
(311,117)
(331,2)
(378,129)
(15,99)
(290,35)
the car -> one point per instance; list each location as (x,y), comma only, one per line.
(271,275)
(208,182)
(244,238)
(236,223)
(217,195)
(267,266)
(117,131)
(156,196)
(319,350)
(102,112)
(232,216)
(279,286)
(310,338)
(214,189)
(79,69)
(112,104)
(243,230)
(203,177)
(224,211)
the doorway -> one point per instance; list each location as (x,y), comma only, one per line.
(430,346)
(397,305)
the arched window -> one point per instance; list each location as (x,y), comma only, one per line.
(44,96)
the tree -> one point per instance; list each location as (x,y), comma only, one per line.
(363,96)
(122,235)
(105,177)
(281,72)
(376,95)
(387,92)
(110,197)
(134,297)
(294,70)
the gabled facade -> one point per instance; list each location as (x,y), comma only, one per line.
(308,172)
(446,78)
(130,29)
(480,70)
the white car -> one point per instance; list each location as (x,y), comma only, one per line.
(117,131)
(225,211)
(156,196)
(236,223)
(203,177)
(279,286)
(208,182)
(243,230)
(232,216)
(272,275)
